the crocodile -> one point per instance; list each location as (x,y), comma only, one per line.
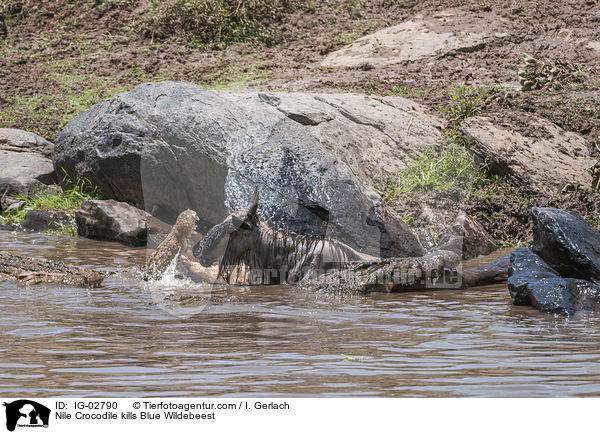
(29,271)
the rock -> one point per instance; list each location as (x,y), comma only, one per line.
(468,235)
(12,139)
(112,220)
(567,242)
(533,282)
(43,221)
(539,157)
(526,267)
(9,226)
(25,166)
(421,37)
(170,146)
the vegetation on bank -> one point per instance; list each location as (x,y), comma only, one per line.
(54,200)
(216,21)
(448,177)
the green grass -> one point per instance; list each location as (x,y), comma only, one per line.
(447,167)
(407,92)
(216,21)
(237,76)
(47,113)
(465,102)
(56,200)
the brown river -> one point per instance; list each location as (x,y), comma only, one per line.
(125,339)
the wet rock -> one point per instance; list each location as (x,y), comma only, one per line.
(528,271)
(43,220)
(532,282)
(170,146)
(112,220)
(9,226)
(421,37)
(538,157)
(567,242)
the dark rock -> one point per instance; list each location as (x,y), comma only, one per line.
(43,221)
(9,226)
(112,220)
(533,282)
(169,146)
(567,242)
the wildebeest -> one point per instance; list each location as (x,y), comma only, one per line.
(269,255)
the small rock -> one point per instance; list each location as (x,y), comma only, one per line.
(567,242)
(112,220)
(9,226)
(43,221)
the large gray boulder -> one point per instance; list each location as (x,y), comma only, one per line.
(25,166)
(170,146)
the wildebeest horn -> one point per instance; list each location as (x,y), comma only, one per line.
(254,201)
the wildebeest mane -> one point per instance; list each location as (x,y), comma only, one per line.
(288,254)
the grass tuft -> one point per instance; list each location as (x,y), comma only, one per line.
(447,167)
(465,102)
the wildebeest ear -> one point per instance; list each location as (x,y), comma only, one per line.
(253,206)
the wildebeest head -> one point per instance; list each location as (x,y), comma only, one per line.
(233,236)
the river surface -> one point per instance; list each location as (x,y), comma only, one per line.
(123,340)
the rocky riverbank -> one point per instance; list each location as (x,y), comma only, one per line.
(448,142)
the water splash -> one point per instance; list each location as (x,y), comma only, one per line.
(178,294)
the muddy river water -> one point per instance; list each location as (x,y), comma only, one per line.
(120,340)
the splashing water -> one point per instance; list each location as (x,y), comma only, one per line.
(178,294)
